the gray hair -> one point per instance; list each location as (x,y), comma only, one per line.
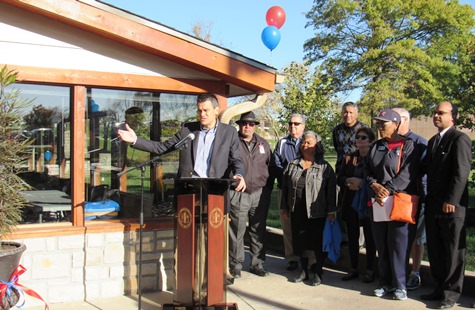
(300,116)
(349,104)
(403,112)
(319,150)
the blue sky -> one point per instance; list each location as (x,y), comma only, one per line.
(236,25)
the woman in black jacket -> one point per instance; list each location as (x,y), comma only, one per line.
(355,192)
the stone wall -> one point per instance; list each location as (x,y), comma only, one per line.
(96,265)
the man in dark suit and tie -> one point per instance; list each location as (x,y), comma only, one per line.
(447,163)
(213,153)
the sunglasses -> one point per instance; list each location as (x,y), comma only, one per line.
(294,123)
(250,124)
(382,124)
(358,137)
(440,113)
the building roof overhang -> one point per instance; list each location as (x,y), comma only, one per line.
(242,75)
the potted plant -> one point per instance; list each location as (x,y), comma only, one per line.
(13,150)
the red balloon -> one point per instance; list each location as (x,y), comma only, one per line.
(275,16)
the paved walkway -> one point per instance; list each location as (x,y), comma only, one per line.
(277,292)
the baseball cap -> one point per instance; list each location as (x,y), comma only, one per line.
(388,115)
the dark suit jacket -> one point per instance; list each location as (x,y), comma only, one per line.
(225,155)
(448,168)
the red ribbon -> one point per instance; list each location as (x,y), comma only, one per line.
(6,287)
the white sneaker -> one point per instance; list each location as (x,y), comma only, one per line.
(383,290)
(414,282)
(400,294)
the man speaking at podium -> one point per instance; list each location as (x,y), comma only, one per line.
(214,151)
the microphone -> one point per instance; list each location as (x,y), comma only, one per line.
(182,143)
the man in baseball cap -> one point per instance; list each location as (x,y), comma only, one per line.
(388,115)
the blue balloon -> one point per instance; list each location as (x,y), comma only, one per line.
(48,155)
(94,106)
(270,37)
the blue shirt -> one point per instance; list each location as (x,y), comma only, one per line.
(421,144)
(203,152)
(285,151)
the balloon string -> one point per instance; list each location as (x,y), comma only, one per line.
(270,59)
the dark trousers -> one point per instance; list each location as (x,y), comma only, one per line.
(353,229)
(307,235)
(253,208)
(391,239)
(446,248)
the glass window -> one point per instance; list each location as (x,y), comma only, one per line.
(152,116)
(46,121)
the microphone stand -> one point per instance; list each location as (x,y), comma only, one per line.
(142,167)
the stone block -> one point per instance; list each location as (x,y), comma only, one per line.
(97,273)
(66,293)
(117,237)
(77,275)
(112,288)
(35,245)
(71,242)
(116,272)
(51,244)
(149,269)
(51,265)
(165,234)
(94,257)
(95,240)
(114,254)
(78,259)
(93,290)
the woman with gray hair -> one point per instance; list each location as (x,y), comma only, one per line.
(309,194)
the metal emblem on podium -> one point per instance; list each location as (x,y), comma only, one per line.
(184,218)
(216,218)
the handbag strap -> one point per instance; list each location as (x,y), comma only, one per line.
(400,157)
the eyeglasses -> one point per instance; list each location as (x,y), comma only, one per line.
(440,113)
(294,123)
(250,124)
(358,137)
(382,124)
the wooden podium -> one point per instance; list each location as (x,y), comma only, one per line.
(200,243)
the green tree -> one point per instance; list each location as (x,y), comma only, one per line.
(41,117)
(309,92)
(464,93)
(13,151)
(397,52)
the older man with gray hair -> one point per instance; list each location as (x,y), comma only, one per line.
(417,234)
(285,151)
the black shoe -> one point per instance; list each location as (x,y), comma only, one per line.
(292,265)
(259,270)
(303,277)
(445,304)
(236,273)
(316,280)
(350,276)
(313,268)
(432,296)
(369,276)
